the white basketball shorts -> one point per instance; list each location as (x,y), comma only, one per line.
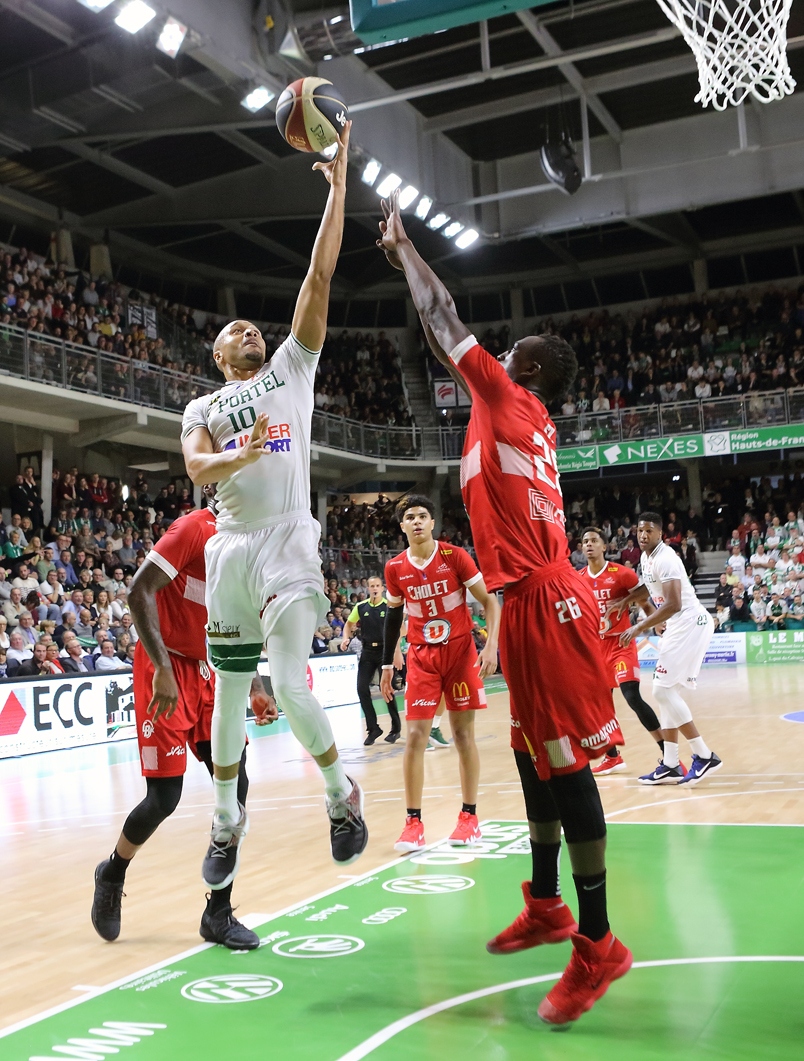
(681,652)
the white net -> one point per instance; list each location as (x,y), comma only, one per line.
(740,47)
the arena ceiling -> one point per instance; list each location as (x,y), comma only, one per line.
(102,133)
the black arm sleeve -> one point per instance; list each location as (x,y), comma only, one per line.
(393,626)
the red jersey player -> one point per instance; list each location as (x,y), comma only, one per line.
(173,696)
(430,579)
(611,583)
(561,707)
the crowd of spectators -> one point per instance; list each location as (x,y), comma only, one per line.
(683,349)
(359,377)
(64,583)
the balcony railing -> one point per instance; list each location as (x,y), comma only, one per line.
(56,363)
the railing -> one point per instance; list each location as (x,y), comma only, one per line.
(683,418)
(56,363)
(361,563)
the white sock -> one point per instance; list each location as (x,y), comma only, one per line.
(699,747)
(670,754)
(337,784)
(226,808)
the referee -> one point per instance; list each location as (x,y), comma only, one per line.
(371,616)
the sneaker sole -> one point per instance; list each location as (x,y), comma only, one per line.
(437,744)
(694,780)
(661,781)
(559,935)
(465,843)
(406,846)
(610,770)
(619,972)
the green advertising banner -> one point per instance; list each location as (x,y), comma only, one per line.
(775,646)
(754,440)
(577,459)
(638,451)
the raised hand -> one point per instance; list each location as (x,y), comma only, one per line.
(335,170)
(392,230)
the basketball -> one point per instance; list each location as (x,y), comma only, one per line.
(311,114)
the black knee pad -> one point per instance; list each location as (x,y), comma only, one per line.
(160,801)
(579,807)
(641,708)
(539,803)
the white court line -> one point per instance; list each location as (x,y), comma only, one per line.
(690,799)
(379,1038)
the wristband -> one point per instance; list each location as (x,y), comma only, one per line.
(387,666)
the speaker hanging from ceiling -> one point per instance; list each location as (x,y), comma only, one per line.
(560,165)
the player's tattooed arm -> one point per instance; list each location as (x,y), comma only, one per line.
(433,302)
(145,613)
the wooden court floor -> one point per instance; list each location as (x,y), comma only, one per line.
(62,812)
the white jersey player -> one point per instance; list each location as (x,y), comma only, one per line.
(264,584)
(667,597)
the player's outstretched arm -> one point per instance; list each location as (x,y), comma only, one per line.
(487,659)
(433,302)
(310,316)
(205,466)
(145,613)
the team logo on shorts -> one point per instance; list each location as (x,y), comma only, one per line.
(147,729)
(436,631)
(460,692)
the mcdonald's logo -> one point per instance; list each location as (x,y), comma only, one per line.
(621,667)
(460,691)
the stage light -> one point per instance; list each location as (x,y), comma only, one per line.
(257,99)
(423,209)
(406,196)
(172,37)
(134,15)
(438,221)
(371,171)
(466,239)
(388,184)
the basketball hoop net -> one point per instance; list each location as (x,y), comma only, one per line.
(740,47)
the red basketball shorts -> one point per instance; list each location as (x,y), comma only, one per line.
(163,743)
(450,669)
(622,664)
(559,686)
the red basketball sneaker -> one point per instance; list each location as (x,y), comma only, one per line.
(609,764)
(412,837)
(466,832)
(542,921)
(592,967)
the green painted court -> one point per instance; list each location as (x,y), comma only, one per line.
(393,966)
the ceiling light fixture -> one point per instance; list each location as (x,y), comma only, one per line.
(424,207)
(257,99)
(438,221)
(172,37)
(371,171)
(453,229)
(466,239)
(406,196)
(337,18)
(134,15)
(95,5)
(330,152)
(388,184)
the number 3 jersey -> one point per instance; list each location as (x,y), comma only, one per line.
(509,472)
(434,593)
(278,484)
